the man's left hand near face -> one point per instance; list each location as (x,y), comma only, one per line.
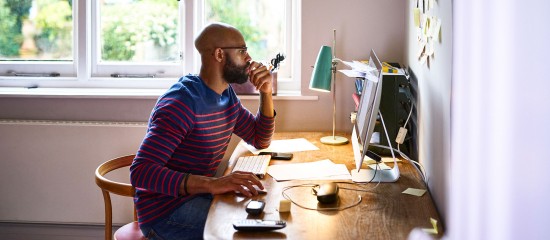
(260,77)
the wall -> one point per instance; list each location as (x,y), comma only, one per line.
(360,24)
(434,102)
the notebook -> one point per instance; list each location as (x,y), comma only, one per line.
(256,164)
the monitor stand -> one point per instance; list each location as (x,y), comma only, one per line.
(371,175)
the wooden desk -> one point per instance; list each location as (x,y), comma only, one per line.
(384,213)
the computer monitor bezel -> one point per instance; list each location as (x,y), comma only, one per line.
(369,106)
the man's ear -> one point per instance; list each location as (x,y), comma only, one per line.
(218,55)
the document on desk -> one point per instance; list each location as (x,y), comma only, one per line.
(318,170)
(285,146)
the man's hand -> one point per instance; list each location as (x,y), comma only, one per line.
(235,182)
(260,77)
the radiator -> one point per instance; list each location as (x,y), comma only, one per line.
(47,169)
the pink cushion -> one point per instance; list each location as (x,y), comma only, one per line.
(129,231)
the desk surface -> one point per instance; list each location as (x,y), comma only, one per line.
(384,213)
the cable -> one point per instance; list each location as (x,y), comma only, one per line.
(287,197)
(410,113)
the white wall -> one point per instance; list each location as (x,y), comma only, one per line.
(434,102)
(360,24)
(47,170)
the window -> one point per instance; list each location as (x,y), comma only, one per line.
(133,43)
(33,38)
(136,38)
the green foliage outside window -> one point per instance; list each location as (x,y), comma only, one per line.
(12,13)
(235,12)
(55,31)
(124,26)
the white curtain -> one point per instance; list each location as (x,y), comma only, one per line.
(500,120)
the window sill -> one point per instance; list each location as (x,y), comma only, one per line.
(114,93)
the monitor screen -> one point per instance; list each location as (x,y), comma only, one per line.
(367,112)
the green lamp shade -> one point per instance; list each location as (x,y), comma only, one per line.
(321,77)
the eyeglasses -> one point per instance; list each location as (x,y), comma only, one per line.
(242,50)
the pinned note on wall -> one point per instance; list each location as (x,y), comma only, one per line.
(428,29)
(416,13)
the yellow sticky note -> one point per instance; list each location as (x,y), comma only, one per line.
(416,15)
(434,225)
(284,205)
(390,160)
(415,191)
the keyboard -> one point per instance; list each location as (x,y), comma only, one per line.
(255,164)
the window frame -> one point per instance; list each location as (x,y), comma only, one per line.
(84,72)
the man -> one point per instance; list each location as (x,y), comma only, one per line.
(188,133)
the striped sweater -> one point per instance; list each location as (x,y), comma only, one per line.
(188,132)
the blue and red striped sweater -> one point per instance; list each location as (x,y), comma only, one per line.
(189,130)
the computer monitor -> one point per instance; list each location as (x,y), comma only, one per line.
(366,117)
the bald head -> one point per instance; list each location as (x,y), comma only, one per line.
(218,35)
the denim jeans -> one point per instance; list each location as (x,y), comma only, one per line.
(186,222)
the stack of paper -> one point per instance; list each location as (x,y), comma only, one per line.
(358,69)
(319,170)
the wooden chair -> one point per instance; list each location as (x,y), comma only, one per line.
(130,230)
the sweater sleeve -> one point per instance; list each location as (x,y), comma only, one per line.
(256,130)
(168,126)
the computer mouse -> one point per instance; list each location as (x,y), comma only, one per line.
(327,193)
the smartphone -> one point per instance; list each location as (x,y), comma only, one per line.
(255,207)
(278,155)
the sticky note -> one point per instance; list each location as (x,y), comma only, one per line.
(433,230)
(389,159)
(416,15)
(284,205)
(415,191)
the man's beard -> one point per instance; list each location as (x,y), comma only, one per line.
(233,73)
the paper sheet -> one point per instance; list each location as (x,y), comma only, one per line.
(285,146)
(318,170)
(352,73)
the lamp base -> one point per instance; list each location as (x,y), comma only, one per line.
(334,140)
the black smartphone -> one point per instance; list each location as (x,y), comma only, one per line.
(278,155)
(255,207)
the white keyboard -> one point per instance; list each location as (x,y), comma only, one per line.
(255,164)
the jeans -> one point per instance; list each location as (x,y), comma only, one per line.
(186,222)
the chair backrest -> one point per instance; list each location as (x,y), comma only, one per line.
(109,186)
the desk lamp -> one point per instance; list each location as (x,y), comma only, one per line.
(323,72)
